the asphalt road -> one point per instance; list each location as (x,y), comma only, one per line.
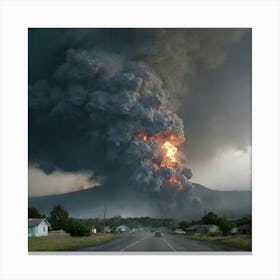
(147,242)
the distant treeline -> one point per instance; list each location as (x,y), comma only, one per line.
(148,222)
(59,219)
(138,222)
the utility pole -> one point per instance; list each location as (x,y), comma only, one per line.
(104,220)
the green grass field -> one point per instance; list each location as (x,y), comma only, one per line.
(61,243)
(242,241)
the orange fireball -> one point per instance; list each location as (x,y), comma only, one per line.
(169,152)
(174,180)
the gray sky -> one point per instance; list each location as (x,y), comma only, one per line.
(217,120)
(206,71)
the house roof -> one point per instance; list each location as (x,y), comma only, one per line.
(122,226)
(35,222)
(246,227)
(208,226)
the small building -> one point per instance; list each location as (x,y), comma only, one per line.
(108,230)
(245,229)
(38,227)
(233,231)
(122,228)
(191,229)
(207,228)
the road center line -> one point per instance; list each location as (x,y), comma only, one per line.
(134,243)
(169,245)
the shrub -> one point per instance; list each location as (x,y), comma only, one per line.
(183,224)
(77,228)
(225,225)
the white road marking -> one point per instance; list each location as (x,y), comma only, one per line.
(132,244)
(169,245)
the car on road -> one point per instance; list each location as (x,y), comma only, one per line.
(158,233)
(180,231)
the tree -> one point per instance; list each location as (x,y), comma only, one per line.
(58,217)
(34,213)
(210,218)
(225,225)
(183,224)
(77,228)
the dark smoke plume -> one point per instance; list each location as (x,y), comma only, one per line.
(110,103)
(103,100)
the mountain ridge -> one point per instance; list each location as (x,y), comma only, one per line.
(91,202)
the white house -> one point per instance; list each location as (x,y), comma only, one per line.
(38,227)
(234,230)
(122,228)
(108,229)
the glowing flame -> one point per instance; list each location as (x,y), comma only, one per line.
(169,151)
(143,136)
(174,180)
(162,137)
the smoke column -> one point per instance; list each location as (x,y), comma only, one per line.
(121,106)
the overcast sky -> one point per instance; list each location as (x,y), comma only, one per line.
(217,120)
(207,73)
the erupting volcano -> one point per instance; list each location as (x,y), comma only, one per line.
(125,118)
(110,109)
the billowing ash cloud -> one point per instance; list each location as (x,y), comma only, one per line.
(120,111)
(104,101)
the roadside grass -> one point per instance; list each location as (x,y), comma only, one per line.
(62,243)
(242,241)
